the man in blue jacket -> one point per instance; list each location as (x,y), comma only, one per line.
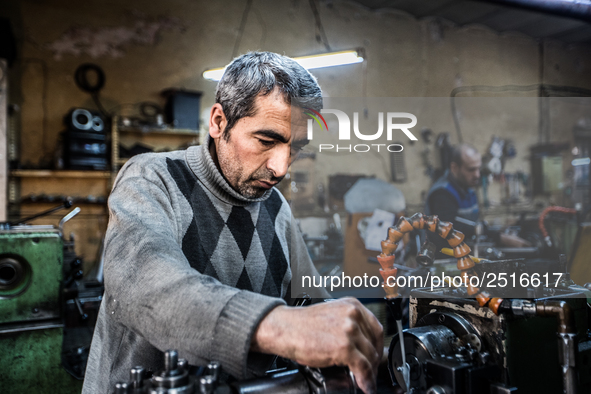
(453,198)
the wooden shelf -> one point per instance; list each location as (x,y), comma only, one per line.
(57,202)
(137,130)
(158,139)
(60,174)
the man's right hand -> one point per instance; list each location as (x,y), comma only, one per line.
(341,332)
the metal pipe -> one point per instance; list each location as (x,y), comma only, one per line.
(567,336)
(559,309)
(567,339)
(570,8)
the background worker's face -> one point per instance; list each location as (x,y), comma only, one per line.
(260,147)
(468,173)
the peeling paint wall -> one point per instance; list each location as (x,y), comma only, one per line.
(112,41)
(145,47)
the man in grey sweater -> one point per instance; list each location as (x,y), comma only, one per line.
(200,247)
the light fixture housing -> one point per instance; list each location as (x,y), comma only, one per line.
(308,62)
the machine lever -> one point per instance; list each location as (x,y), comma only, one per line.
(83,315)
(395,306)
(66,204)
(69,216)
(405,368)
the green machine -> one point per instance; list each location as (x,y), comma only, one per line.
(31,311)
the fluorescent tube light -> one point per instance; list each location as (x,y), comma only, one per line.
(582,161)
(308,62)
(215,74)
(329,59)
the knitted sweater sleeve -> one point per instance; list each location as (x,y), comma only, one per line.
(157,294)
(302,266)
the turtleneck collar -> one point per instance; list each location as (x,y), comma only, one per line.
(202,165)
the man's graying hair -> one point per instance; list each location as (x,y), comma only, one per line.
(258,73)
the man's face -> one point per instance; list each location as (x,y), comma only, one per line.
(468,174)
(261,147)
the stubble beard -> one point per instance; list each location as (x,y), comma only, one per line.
(233,171)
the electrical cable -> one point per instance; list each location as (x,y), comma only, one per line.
(541,116)
(241,29)
(97,101)
(550,90)
(263,28)
(320,34)
(81,78)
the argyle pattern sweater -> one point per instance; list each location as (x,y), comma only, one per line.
(190,264)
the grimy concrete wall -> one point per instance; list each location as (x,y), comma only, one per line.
(145,47)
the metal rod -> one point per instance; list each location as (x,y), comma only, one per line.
(66,204)
(405,367)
